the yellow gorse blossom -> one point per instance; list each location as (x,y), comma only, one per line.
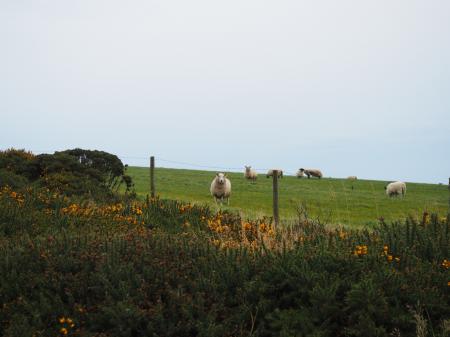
(360,250)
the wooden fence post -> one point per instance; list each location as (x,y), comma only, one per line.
(276,218)
(152,177)
(448,197)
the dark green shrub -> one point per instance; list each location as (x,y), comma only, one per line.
(8,178)
(112,275)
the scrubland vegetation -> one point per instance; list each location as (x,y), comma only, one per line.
(81,263)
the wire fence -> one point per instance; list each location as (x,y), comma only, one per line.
(342,212)
(189,165)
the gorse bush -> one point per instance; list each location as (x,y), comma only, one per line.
(97,174)
(76,267)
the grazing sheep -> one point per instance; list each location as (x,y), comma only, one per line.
(395,189)
(352,178)
(221,188)
(309,173)
(270,173)
(250,174)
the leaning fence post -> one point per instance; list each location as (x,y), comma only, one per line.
(275,198)
(152,177)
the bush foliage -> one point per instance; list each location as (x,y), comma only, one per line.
(165,268)
(71,172)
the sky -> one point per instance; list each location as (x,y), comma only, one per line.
(350,87)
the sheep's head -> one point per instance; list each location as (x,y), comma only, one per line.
(302,170)
(220,178)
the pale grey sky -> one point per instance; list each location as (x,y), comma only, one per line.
(350,87)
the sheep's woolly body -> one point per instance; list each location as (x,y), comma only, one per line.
(270,173)
(352,178)
(309,172)
(250,174)
(396,188)
(221,191)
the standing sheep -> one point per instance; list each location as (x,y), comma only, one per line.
(395,189)
(309,173)
(270,173)
(221,188)
(250,174)
(352,178)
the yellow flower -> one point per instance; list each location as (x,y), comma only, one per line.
(389,257)
(63,331)
(69,321)
(360,250)
(62,320)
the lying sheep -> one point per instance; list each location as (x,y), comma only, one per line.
(221,188)
(270,173)
(309,173)
(300,174)
(352,178)
(250,174)
(395,189)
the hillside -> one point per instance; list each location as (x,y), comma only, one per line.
(337,201)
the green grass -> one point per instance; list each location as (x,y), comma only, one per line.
(336,201)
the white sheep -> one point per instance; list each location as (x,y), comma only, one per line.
(270,173)
(309,173)
(396,188)
(352,178)
(221,188)
(250,174)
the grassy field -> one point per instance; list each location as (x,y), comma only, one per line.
(336,201)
